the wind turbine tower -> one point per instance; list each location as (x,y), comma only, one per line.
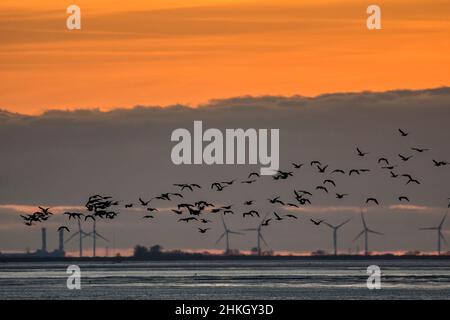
(440,235)
(365,232)
(226,234)
(259,236)
(335,229)
(94,234)
(81,235)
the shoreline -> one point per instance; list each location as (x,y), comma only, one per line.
(225,258)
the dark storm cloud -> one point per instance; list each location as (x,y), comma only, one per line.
(61,157)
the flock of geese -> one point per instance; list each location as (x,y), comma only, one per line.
(201,212)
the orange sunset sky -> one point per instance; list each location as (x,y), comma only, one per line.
(171,51)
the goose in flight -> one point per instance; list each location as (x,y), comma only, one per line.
(89,216)
(265,223)
(316,222)
(338,171)
(256,174)
(229,183)
(413,181)
(250,213)
(385,160)
(403,133)
(205,221)
(177,211)
(420,150)
(439,163)
(194,212)
(277,217)
(203,230)
(217,186)
(361,153)
(144,203)
(372,200)
(189,186)
(322,169)
(166,196)
(303,201)
(304,192)
(188,219)
(297,165)
(74,215)
(249,181)
(341,195)
(283,175)
(315,162)
(203,204)
(63,228)
(404,158)
(401,198)
(249,202)
(148,216)
(330,182)
(129,205)
(290,216)
(276,200)
(45,211)
(322,188)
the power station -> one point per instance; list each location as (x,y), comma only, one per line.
(43,252)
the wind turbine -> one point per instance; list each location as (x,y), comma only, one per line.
(81,235)
(366,232)
(440,235)
(94,234)
(335,229)
(259,236)
(226,234)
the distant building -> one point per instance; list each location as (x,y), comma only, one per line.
(42,252)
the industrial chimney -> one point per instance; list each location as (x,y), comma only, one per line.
(44,240)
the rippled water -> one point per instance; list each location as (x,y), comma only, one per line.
(293,279)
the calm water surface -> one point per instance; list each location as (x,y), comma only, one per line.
(402,279)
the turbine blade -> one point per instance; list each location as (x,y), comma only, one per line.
(376,232)
(250,229)
(443,220)
(220,238)
(234,232)
(326,223)
(346,221)
(359,235)
(72,236)
(430,228)
(263,240)
(223,222)
(102,237)
(84,234)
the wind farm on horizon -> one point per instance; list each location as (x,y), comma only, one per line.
(205,216)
